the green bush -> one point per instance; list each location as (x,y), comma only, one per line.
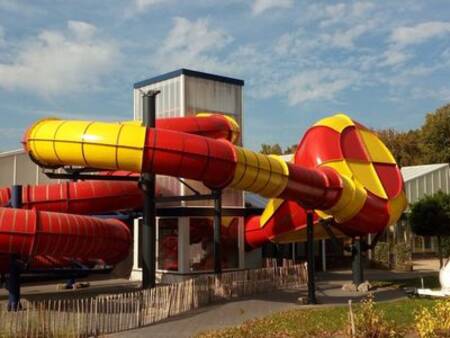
(381,254)
(402,254)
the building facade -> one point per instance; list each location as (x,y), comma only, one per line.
(185,240)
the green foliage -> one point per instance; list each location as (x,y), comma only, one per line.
(372,322)
(329,321)
(269,149)
(430,216)
(436,136)
(402,254)
(404,146)
(381,254)
(428,144)
(291,149)
(276,149)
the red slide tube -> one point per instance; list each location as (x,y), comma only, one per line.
(31,233)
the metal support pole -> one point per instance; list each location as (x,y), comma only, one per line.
(310,257)
(217,249)
(14,264)
(357,268)
(149,212)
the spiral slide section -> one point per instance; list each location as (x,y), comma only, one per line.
(60,238)
(341,169)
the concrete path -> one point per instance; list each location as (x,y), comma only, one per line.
(51,291)
(234,313)
(329,293)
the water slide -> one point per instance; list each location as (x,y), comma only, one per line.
(341,170)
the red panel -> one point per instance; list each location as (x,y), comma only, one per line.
(320,144)
(214,126)
(310,184)
(288,217)
(390,177)
(88,197)
(189,156)
(352,146)
(33,233)
(5,195)
(372,218)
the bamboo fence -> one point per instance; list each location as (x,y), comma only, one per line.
(104,314)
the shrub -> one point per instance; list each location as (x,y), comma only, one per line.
(371,323)
(381,254)
(402,254)
(434,322)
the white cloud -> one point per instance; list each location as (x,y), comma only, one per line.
(321,84)
(82,30)
(260,6)
(345,38)
(143,5)
(192,44)
(341,13)
(394,57)
(404,36)
(60,61)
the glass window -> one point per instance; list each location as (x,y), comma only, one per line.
(201,241)
(168,244)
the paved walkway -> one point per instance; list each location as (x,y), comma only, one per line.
(233,313)
(51,291)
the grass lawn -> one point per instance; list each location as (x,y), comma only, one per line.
(321,322)
(429,282)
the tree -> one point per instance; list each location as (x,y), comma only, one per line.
(271,149)
(435,134)
(430,216)
(291,149)
(406,147)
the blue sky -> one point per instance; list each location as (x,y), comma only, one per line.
(385,63)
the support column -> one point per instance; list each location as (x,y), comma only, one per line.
(310,257)
(149,212)
(217,250)
(14,264)
(324,255)
(357,268)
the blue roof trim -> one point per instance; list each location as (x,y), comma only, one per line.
(188,72)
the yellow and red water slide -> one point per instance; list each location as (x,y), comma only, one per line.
(49,232)
(341,169)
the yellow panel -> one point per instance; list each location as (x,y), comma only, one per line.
(272,205)
(99,145)
(40,138)
(240,167)
(264,174)
(337,122)
(300,235)
(366,174)
(55,142)
(258,173)
(68,144)
(378,152)
(347,195)
(279,178)
(251,170)
(340,166)
(129,154)
(396,206)
(132,123)
(358,199)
